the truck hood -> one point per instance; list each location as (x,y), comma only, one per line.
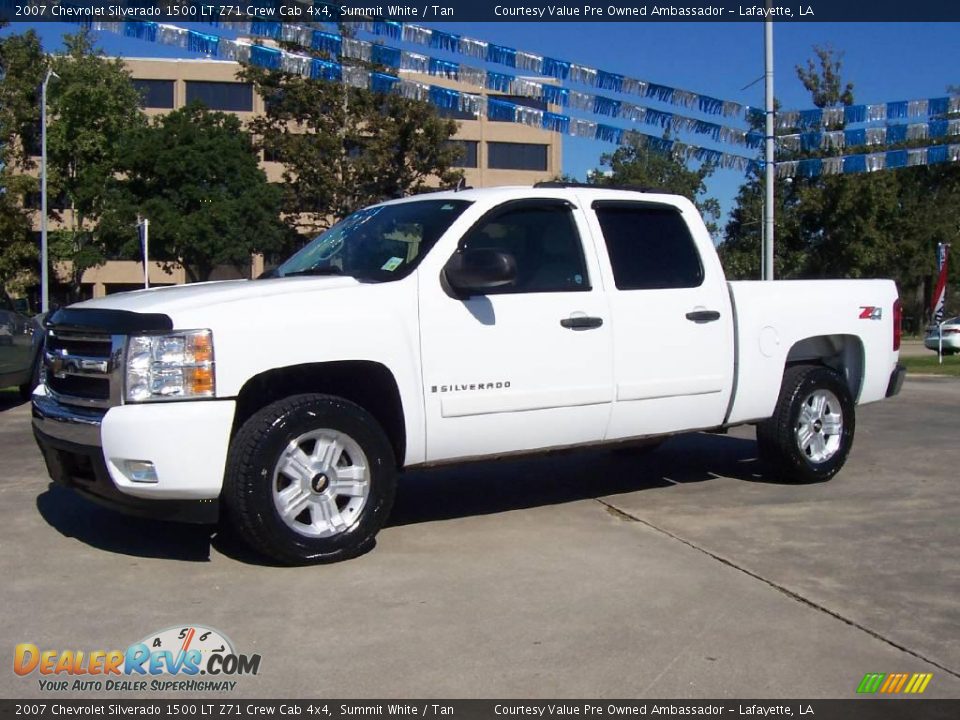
(177,299)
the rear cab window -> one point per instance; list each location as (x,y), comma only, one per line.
(649,244)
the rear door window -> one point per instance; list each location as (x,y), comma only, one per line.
(650,246)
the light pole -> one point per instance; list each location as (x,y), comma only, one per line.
(44,264)
(769,167)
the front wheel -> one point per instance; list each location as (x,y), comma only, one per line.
(811,431)
(310,479)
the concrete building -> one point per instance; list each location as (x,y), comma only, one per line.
(495,153)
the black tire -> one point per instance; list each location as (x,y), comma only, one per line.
(248,493)
(778,440)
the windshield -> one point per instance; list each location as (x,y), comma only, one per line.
(380,243)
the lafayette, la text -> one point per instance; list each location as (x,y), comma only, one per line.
(651,11)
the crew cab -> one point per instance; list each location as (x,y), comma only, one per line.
(441,328)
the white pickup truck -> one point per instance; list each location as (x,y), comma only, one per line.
(441,328)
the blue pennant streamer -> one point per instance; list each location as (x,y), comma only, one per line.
(501,55)
(392,30)
(556,68)
(854,164)
(811,118)
(385,55)
(265,57)
(324,70)
(896,134)
(809,168)
(445,41)
(444,67)
(754,139)
(937,154)
(897,110)
(202,43)
(381,83)
(854,114)
(660,92)
(657,117)
(851,138)
(141,30)
(556,95)
(938,106)
(702,127)
(709,105)
(327,42)
(606,133)
(499,81)
(939,128)
(811,141)
(265,29)
(501,110)
(444,97)
(661,145)
(896,158)
(609,81)
(556,123)
(606,106)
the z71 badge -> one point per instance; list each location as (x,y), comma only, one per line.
(869,312)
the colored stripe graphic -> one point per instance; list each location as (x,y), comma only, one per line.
(894,683)
(871,682)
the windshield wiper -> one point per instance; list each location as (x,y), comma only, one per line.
(330,270)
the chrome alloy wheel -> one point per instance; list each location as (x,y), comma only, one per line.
(321,483)
(820,426)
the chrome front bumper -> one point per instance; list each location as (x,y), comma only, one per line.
(64,422)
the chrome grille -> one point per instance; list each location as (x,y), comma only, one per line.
(84,368)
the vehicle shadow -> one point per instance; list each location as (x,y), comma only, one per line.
(76,517)
(10,399)
(489,487)
(443,493)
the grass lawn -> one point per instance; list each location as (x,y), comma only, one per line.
(930,365)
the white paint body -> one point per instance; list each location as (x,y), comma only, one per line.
(646,371)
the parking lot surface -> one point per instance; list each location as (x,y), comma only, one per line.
(683,573)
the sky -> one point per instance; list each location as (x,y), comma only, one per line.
(885,61)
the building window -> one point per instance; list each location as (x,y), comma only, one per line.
(229,96)
(516,156)
(455,113)
(155,93)
(468,153)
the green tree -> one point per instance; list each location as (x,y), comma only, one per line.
(22,66)
(344,147)
(93,106)
(633,164)
(196,176)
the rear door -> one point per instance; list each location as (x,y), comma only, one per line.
(673,329)
(527,366)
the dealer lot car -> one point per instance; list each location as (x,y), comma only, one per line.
(441,328)
(951,337)
(20,338)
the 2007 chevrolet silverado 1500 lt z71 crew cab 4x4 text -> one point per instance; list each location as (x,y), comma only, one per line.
(439,328)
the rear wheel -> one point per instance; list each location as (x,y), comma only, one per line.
(811,432)
(310,479)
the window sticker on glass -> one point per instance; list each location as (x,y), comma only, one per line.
(392,264)
(447,207)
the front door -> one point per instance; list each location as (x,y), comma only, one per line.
(527,366)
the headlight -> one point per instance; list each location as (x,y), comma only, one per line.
(174,366)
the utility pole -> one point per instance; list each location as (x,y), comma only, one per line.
(770,166)
(44,263)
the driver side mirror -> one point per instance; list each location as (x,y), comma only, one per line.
(473,272)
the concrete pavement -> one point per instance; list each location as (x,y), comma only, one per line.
(687,573)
